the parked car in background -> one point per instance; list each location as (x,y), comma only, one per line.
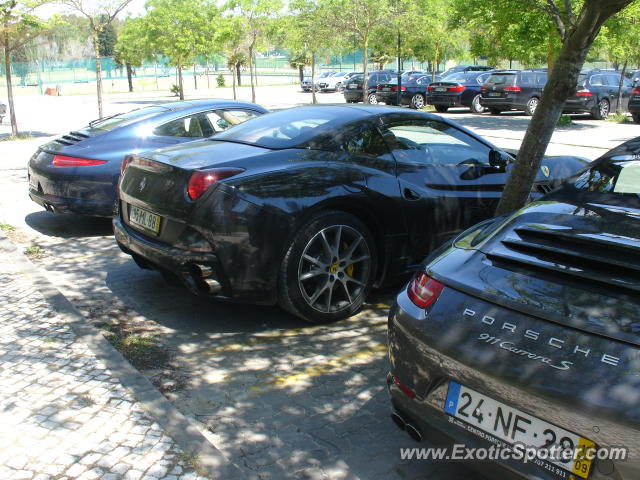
(525,330)
(634,103)
(597,93)
(353,92)
(634,77)
(513,90)
(310,207)
(387,92)
(334,82)
(412,93)
(305,85)
(3,111)
(458,90)
(78,172)
(466,68)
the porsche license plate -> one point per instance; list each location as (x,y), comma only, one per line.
(515,426)
(144,219)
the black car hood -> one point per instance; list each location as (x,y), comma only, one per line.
(576,263)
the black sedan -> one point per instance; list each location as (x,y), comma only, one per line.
(458,90)
(310,207)
(387,92)
(525,331)
(78,172)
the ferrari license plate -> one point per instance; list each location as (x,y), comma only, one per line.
(144,219)
(515,426)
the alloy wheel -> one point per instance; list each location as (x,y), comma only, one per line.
(334,268)
(372,99)
(476,106)
(417,101)
(604,108)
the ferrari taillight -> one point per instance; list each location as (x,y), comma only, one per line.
(201,180)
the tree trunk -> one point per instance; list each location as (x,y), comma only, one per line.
(365,79)
(562,82)
(96,47)
(180,86)
(238,73)
(620,85)
(129,75)
(313,78)
(253,86)
(233,77)
(7,66)
(301,72)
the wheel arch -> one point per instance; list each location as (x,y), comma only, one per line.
(366,216)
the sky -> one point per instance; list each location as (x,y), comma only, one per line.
(135,8)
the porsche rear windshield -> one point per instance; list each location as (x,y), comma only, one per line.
(286,128)
(621,177)
(122,119)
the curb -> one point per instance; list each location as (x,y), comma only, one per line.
(181,429)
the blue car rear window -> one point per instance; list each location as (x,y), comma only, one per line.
(122,119)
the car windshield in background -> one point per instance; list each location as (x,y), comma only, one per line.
(621,177)
(284,129)
(502,79)
(122,119)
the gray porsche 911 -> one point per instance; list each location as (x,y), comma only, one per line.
(522,335)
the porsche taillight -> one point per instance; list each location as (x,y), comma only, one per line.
(424,290)
(64,161)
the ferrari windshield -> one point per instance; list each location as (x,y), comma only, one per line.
(621,177)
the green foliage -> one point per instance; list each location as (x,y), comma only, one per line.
(107,39)
(618,117)
(220,80)
(175,89)
(564,121)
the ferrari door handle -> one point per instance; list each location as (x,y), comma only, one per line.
(410,194)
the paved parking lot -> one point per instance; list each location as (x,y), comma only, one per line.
(279,398)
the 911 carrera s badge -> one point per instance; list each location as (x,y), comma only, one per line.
(545,171)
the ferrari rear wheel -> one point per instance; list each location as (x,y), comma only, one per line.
(328,270)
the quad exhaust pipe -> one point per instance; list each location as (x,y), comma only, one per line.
(405,424)
(202,275)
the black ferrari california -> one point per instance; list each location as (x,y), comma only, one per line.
(313,206)
(78,172)
(522,335)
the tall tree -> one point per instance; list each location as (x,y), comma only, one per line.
(178,30)
(107,39)
(100,14)
(577,27)
(305,31)
(360,18)
(132,47)
(254,19)
(18,26)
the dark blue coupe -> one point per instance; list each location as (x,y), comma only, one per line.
(78,172)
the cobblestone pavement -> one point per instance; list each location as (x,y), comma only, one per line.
(63,415)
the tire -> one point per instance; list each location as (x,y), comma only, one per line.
(530,107)
(495,111)
(373,99)
(601,112)
(339,87)
(319,287)
(476,106)
(636,117)
(441,108)
(417,101)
